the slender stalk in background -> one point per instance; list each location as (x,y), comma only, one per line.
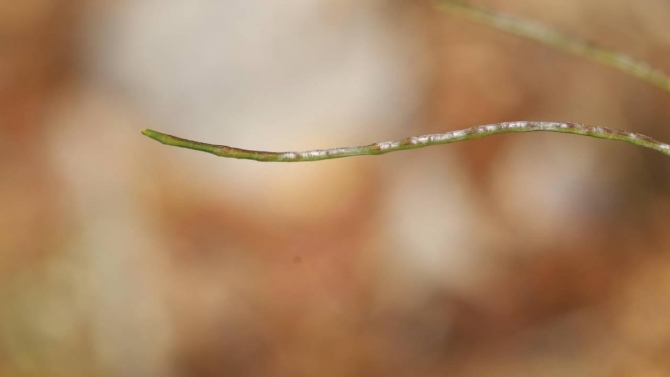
(552,38)
(414,142)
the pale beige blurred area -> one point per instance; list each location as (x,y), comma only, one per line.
(514,255)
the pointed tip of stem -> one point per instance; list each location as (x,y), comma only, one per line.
(148,132)
(153,134)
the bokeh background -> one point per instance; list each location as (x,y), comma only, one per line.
(515,255)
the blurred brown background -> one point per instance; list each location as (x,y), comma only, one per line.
(516,255)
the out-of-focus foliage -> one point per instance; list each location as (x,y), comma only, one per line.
(518,255)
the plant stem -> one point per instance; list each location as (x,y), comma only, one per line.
(552,38)
(414,142)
